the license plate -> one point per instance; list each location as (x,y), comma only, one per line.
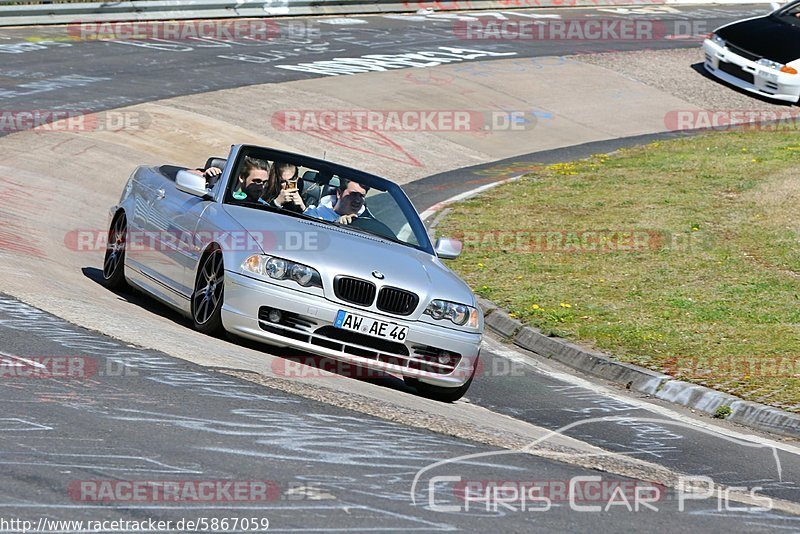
(771,76)
(370,327)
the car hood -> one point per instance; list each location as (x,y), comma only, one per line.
(335,251)
(765,36)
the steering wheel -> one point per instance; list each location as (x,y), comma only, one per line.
(373,226)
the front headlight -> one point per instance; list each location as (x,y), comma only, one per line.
(437,309)
(458,314)
(276,268)
(303,274)
(281,269)
(716,39)
(764,62)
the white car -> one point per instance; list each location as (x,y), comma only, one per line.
(759,54)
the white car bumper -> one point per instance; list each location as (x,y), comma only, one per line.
(307,314)
(747,75)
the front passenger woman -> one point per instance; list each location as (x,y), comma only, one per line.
(281,188)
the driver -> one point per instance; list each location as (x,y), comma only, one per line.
(349,202)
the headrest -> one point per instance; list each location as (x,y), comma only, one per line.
(330,190)
(215,162)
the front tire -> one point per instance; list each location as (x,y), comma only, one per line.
(439,393)
(208,294)
(114,259)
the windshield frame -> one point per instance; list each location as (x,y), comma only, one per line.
(326,171)
(781,13)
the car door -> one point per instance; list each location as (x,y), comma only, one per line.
(142,189)
(172,220)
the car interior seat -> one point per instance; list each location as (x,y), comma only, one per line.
(310,189)
(214,162)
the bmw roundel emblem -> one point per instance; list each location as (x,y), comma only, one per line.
(378,275)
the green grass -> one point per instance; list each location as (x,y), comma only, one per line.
(711,293)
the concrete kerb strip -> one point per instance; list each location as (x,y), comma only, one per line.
(637,378)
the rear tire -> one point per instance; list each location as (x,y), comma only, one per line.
(208,294)
(114,259)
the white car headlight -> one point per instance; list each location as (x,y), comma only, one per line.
(764,62)
(281,269)
(716,39)
(458,314)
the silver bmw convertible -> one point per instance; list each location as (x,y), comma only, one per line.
(369,289)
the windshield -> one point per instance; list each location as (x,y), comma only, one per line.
(789,13)
(295,186)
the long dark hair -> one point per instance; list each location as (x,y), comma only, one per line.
(273,187)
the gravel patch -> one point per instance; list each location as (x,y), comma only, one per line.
(680,73)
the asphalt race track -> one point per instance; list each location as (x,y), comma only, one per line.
(147,403)
(42,66)
(141,416)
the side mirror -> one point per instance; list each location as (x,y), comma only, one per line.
(447,248)
(191,183)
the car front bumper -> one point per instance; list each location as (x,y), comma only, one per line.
(748,75)
(245,296)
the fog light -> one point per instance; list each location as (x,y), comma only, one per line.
(274,316)
(445,359)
